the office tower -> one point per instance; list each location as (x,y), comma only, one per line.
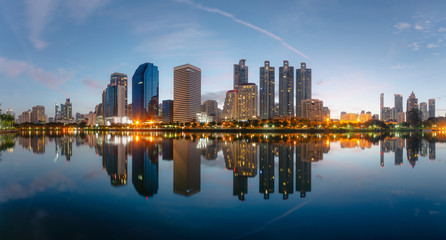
(247,101)
(381,106)
(412,104)
(401,117)
(145,92)
(326,112)
(38,114)
(423,110)
(186,93)
(267,91)
(145,169)
(431,108)
(167,111)
(386,114)
(266,169)
(230,105)
(121,79)
(210,107)
(303,87)
(57,115)
(312,109)
(398,103)
(240,73)
(186,167)
(114,101)
(66,110)
(286,90)
(286,170)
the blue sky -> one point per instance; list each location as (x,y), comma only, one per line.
(54,49)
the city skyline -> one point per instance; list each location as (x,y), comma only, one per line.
(43,55)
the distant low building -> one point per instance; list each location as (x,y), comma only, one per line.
(312,109)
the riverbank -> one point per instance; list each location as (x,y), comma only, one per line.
(9,131)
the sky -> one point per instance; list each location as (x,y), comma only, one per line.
(53,49)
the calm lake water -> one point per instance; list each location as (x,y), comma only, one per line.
(222,186)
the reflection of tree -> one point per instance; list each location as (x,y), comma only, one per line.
(6,142)
(413,144)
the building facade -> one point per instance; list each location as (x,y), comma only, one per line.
(412,104)
(230,105)
(303,87)
(167,111)
(115,101)
(267,94)
(121,79)
(247,101)
(38,114)
(286,90)
(423,110)
(431,108)
(145,92)
(186,93)
(240,73)
(313,109)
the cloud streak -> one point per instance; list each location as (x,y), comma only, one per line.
(13,68)
(232,17)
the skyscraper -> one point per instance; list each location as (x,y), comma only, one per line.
(286,90)
(210,108)
(167,111)
(186,93)
(240,73)
(114,101)
(66,110)
(38,114)
(230,105)
(303,87)
(431,108)
(398,103)
(412,104)
(423,110)
(381,106)
(247,101)
(121,79)
(267,91)
(145,92)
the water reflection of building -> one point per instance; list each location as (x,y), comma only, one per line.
(210,150)
(413,147)
(303,173)
(432,151)
(36,144)
(424,148)
(114,160)
(186,167)
(145,167)
(286,170)
(167,146)
(241,157)
(64,147)
(266,169)
(313,151)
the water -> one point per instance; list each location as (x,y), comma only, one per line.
(222,186)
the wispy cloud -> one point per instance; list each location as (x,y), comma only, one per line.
(401,66)
(53,80)
(39,14)
(237,20)
(82,9)
(432,45)
(442,29)
(415,46)
(401,26)
(92,84)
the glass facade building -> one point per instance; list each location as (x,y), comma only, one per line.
(145,92)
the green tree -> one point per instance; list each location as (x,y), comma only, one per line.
(414,117)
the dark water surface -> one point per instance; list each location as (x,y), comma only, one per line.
(222,186)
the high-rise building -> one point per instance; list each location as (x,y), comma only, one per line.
(412,104)
(267,95)
(230,105)
(210,107)
(431,108)
(66,110)
(167,111)
(286,90)
(312,109)
(38,114)
(121,79)
(145,92)
(114,101)
(186,93)
(401,117)
(386,114)
(303,87)
(247,101)
(381,106)
(240,73)
(423,110)
(398,103)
